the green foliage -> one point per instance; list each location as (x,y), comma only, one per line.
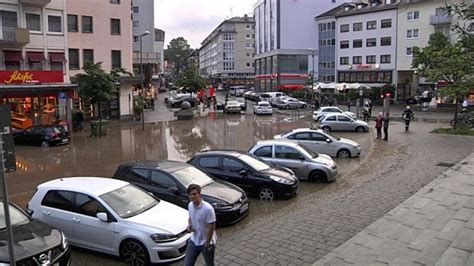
(454,131)
(138,104)
(95,85)
(178,52)
(190,80)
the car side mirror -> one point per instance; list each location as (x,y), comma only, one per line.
(173,190)
(328,140)
(243,172)
(103,217)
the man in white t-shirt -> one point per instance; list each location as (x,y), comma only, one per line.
(202,224)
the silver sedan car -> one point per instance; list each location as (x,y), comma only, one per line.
(322,142)
(291,103)
(342,122)
(305,163)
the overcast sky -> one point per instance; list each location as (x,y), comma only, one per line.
(195,19)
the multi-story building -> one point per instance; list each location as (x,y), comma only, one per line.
(366,47)
(34,77)
(101,31)
(226,55)
(286,42)
(153,43)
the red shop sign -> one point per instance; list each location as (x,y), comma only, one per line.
(30,76)
(363,66)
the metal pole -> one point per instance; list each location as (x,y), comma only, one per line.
(6,207)
(312,81)
(141,82)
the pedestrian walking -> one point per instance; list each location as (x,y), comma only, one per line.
(407,116)
(378,125)
(386,121)
(365,113)
(202,225)
(80,120)
(348,103)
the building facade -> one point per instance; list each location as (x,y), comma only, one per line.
(34,76)
(102,32)
(226,55)
(153,43)
(286,42)
(366,46)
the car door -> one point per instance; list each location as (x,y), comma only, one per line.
(137,176)
(291,158)
(161,184)
(233,169)
(26,136)
(331,121)
(211,166)
(320,140)
(38,135)
(345,123)
(265,153)
(56,209)
(89,231)
(304,138)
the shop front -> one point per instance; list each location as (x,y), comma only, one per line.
(37,97)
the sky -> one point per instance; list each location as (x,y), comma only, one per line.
(196,19)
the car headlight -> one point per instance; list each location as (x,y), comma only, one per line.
(163,238)
(281,180)
(221,206)
(64,242)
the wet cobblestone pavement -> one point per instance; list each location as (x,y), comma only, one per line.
(293,232)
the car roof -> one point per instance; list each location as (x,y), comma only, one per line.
(286,142)
(265,102)
(166,165)
(235,153)
(305,129)
(90,185)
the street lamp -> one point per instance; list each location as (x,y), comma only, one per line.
(141,74)
(312,50)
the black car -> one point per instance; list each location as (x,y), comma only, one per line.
(252,174)
(176,102)
(34,242)
(44,136)
(168,180)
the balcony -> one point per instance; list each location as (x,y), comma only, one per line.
(441,19)
(35,2)
(147,57)
(14,36)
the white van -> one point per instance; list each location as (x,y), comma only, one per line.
(267,96)
(237,91)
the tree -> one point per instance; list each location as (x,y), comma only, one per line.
(452,63)
(190,80)
(97,86)
(178,52)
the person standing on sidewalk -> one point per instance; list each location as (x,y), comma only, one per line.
(378,125)
(202,224)
(386,122)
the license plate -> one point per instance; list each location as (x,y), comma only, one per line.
(244,208)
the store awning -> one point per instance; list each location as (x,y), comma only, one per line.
(37,90)
(35,57)
(13,56)
(57,58)
(291,87)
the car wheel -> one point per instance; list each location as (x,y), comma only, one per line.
(326,128)
(343,154)
(266,193)
(360,129)
(287,107)
(304,106)
(318,176)
(134,253)
(44,144)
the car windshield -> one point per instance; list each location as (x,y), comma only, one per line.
(16,217)
(233,103)
(311,153)
(129,201)
(332,136)
(255,162)
(192,175)
(264,104)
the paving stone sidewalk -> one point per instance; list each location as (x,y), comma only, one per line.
(435,226)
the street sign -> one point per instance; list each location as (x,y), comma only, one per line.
(62,95)
(8,144)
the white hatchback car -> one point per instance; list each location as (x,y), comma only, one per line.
(321,112)
(263,108)
(114,217)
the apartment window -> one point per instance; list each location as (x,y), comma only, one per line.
(247,36)
(357,60)
(54,24)
(87,56)
(115,26)
(136,9)
(371,59)
(228,65)
(248,64)
(344,44)
(357,43)
(386,41)
(371,42)
(248,54)
(33,22)
(409,51)
(413,33)
(136,23)
(345,28)
(386,23)
(357,26)
(135,38)
(248,45)
(115,2)
(72,23)
(344,60)
(73,59)
(385,59)
(413,15)
(116,59)
(371,25)
(247,26)
(35,60)
(87,24)
(228,36)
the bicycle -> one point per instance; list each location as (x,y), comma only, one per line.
(464,120)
